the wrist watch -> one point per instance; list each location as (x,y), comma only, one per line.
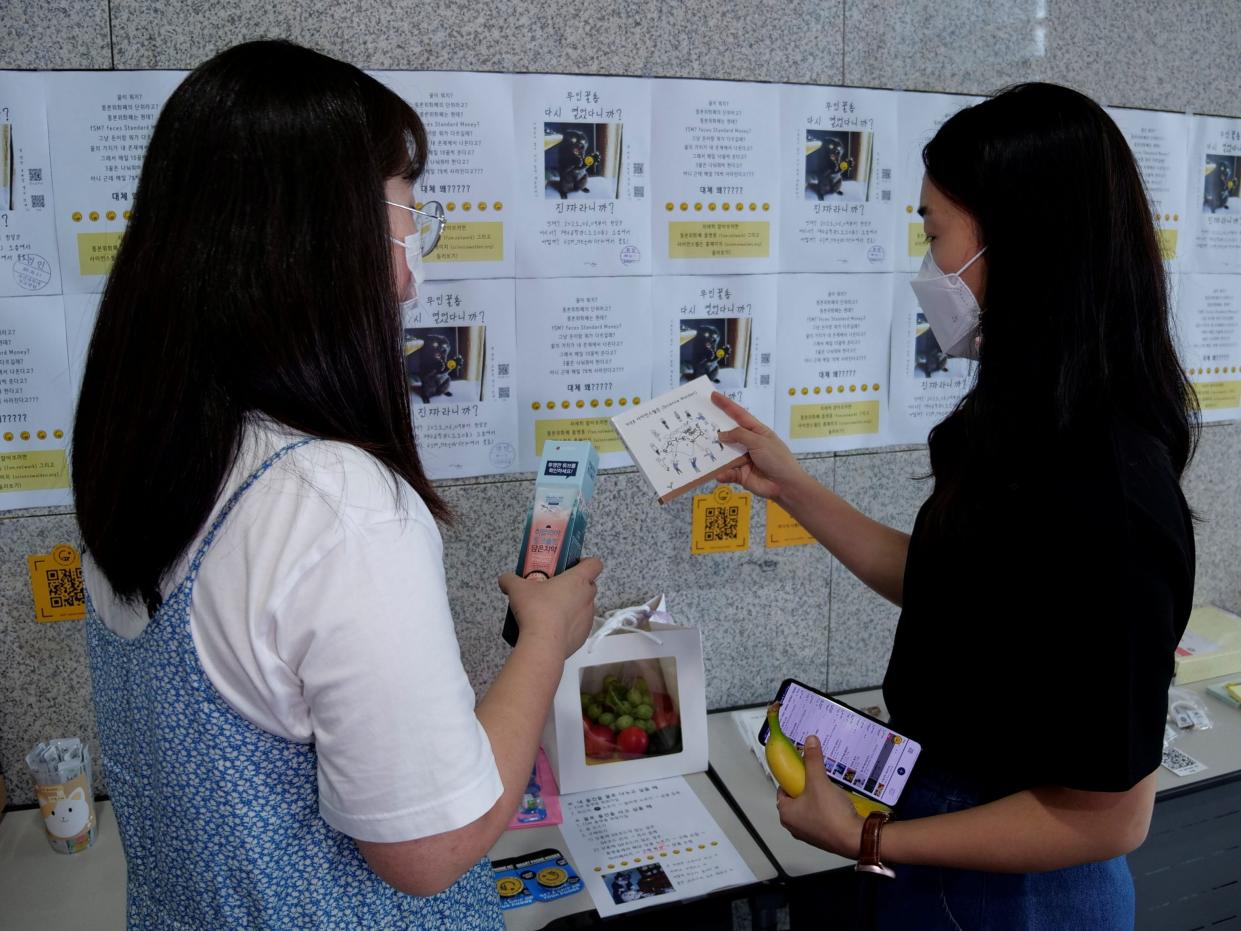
(868,856)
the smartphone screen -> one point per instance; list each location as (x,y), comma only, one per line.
(863,754)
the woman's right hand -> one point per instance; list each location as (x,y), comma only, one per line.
(772,469)
(560,609)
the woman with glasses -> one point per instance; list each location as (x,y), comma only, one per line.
(289,738)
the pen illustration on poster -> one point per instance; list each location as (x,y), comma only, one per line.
(583,145)
(838,179)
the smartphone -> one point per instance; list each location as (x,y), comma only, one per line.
(860,753)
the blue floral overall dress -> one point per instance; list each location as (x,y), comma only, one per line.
(220,819)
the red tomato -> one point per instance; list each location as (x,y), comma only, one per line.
(598,738)
(632,740)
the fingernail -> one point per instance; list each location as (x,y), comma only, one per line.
(812,742)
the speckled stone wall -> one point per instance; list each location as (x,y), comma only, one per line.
(765,614)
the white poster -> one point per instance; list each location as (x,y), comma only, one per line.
(99,123)
(1208,337)
(1160,144)
(837,171)
(832,354)
(585,355)
(1214,198)
(81,311)
(35,407)
(583,195)
(460,361)
(469,170)
(723,327)
(925,384)
(29,263)
(716,177)
(648,843)
(919,117)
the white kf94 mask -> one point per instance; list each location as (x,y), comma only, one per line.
(949,305)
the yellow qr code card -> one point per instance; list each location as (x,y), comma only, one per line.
(721,521)
(56,583)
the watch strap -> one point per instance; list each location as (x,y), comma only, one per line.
(868,856)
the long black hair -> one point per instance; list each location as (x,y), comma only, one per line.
(1075,324)
(255,277)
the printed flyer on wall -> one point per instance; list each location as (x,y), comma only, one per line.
(99,123)
(469,171)
(1213,198)
(29,263)
(1159,142)
(837,173)
(832,350)
(583,148)
(716,178)
(585,352)
(720,326)
(919,117)
(35,409)
(925,383)
(1208,336)
(80,310)
(460,362)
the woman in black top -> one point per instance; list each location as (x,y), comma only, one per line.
(1049,575)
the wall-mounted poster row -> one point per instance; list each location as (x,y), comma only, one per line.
(545,176)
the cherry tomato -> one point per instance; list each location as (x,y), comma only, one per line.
(598,739)
(632,740)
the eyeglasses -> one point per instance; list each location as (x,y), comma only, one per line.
(428,221)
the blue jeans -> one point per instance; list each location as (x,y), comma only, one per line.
(1097,896)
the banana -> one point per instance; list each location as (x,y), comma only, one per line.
(782,757)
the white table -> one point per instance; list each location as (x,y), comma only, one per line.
(43,889)
(743,777)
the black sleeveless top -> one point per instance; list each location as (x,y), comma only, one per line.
(1035,643)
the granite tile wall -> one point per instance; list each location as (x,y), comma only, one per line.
(764,614)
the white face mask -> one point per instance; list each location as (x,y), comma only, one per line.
(950,306)
(417,274)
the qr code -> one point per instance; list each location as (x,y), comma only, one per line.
(639,191)
(721,523)
(34,174)
(64,588)
(1180,762)
(502,369)
(885,195)
(503,392)
(885,174)
(764,380)
(37,201)
(638,168)
(764,358)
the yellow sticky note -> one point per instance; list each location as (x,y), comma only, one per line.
(845,418)
(598,430)
(1167,242)
(469,242)
(34,470)
(721,522)
(56,582)
(96,252)
(783,529)
(918,243)
(711,239)
(1217,395)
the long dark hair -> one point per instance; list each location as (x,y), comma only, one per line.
(1075,311)
(256,277)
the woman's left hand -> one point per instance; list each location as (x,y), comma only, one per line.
(822,815)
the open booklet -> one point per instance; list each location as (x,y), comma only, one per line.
(674,439)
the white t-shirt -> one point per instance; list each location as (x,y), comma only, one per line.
(321,614)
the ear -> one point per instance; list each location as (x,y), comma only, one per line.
(77,795)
